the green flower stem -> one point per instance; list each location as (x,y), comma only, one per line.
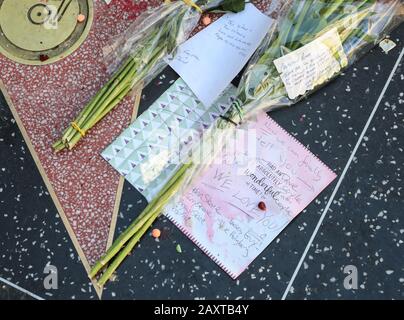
(153,215)
(114,90)
(157,40)
(149,215)
(125,83)
(114,103)
(131,75)
(126,250)
(335,5)
(302,16)
(125,89)
(91,122)
(136,225)
(58,146)
(132,72)
(88,109)
(103,94)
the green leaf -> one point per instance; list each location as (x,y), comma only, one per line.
(230,6)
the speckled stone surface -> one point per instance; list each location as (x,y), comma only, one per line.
(9,293)
(362,228)
(47,99)
(32,233)
(366,216)
(329,124)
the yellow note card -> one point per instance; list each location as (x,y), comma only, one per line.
(312,65)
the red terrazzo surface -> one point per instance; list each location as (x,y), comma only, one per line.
(47,98)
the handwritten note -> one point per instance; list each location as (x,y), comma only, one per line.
(312,65)
(225,45)
(220,211)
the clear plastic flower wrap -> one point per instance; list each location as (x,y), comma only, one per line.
(337,33)
(342,31)
(354,27)
(136,57)
(154,35)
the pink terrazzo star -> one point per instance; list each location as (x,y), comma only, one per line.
(47,98)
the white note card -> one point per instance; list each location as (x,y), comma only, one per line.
(210,60)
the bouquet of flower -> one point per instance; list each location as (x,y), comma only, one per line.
(346,29)
(143,48)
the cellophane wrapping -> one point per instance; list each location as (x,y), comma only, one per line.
(154,37)
(359,26)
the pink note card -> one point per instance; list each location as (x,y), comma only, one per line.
(263,163)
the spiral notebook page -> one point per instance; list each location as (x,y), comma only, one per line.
(220,211)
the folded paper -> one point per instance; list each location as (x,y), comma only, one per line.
(148,153)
